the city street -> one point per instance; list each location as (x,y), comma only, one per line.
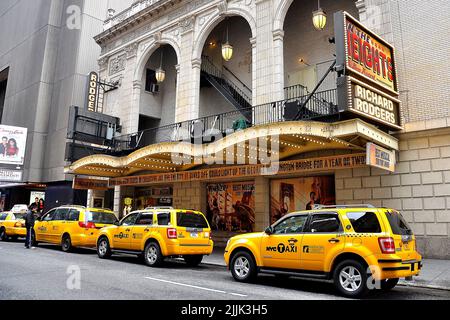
(48,273)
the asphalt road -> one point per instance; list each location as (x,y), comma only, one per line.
(48,273)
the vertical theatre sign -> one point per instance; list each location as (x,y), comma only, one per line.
(369,86)
(92,92)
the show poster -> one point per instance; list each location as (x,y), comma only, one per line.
(231,206)
(12,145)
(290,195)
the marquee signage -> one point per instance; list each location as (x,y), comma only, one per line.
(89,184)
(248,171)
(368,102)
(380,157)
(364,54)
(92,92)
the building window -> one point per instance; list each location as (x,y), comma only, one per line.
(151,84)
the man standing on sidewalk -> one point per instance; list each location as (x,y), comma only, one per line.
(29,224)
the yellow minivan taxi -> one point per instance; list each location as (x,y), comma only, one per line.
(12,225)
(158,233)
(358,248)
(72,226)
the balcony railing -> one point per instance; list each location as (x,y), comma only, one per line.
(321,107)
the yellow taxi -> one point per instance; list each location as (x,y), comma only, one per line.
(357,247)
(157,233)
(72,226)
(12,225)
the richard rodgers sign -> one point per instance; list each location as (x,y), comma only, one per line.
(366,101)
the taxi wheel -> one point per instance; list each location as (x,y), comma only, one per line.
(66,243)
(152,255)
(389,284)
(103,248)
(243,267)
(3,236)
(350,279)
(193,261)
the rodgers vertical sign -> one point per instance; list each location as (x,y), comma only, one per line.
(92,92)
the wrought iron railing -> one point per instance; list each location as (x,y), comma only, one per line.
(211,69)
(211,128)
(294,91)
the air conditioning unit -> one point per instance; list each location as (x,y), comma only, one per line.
(154,88)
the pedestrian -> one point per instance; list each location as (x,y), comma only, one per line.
(29,224)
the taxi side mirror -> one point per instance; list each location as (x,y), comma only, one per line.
(117,223)
(269,230)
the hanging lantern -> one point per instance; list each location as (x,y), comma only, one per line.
(227,51)
(160,75)
(319,18)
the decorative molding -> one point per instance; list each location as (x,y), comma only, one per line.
(117,80)
(222,7)
(103,63)
(187,25)
(278,35)
(157,37)
(196,63)
(131,50)
(117,64)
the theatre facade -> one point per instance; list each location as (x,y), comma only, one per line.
(248,110)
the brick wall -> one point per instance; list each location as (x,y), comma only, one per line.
(420,188)
(418,30)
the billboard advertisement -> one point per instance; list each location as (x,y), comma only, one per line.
(364,54)
(231,206)
(12,145)
(297,194)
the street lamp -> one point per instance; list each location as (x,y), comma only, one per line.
(227,49)
(319,18)
(160,74)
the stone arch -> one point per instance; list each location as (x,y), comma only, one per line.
(280,14)
(213,22)
(152,47)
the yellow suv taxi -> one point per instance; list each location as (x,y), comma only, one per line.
(12,225)
(157,233)
(357,247)
(72,226)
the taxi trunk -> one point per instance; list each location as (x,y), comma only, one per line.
(192,232)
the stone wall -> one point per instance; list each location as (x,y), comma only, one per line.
(420,188)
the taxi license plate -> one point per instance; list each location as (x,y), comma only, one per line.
(194,234)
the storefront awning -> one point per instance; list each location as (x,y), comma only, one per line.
(280,140)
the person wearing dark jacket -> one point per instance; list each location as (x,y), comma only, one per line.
(29,224)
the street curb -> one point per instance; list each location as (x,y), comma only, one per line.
(424,286)
(403,284)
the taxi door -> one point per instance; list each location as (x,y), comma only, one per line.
(143,226)
(56,225)
(41,228)
(122,234)
(282,248)
(322,241)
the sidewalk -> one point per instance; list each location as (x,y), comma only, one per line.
(434,275)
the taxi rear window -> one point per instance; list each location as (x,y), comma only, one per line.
(364,222)
(191,219)
(100,217)
(398,224)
